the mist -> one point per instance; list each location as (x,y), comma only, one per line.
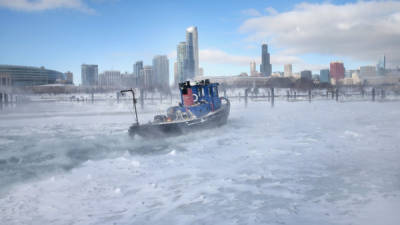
(324,162)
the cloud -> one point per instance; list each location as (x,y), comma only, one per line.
(251,12)
(41,5)
(217,56)
(361,30)
(271,11)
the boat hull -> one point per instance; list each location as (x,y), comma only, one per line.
(211,120)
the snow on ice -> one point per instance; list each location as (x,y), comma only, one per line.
(297,163)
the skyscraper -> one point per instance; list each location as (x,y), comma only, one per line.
(110,78)
(89,74)
(189,60)
(192,40)
(306,74)
(146,75)
(253,71)
(137,67)
(288,70)
(324,76)
(336,70)
(381,66)
(181,60)
(176,79)
(70,77)
(265,67)
(161,72)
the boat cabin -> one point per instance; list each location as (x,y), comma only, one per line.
(199,98)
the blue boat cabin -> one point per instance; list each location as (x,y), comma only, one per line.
(200,98)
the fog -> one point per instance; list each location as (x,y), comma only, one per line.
(323,162)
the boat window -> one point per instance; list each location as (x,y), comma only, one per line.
(200,92)
(215,91)
(209,91)
(184,91)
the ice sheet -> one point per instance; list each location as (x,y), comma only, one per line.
(297,163)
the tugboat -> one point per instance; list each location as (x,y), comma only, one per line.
(200,108)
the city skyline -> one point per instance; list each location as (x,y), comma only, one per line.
(229,41)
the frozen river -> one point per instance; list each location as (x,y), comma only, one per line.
(298,163)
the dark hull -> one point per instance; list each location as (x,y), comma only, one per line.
(214,119)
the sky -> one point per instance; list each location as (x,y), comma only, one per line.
(63,34)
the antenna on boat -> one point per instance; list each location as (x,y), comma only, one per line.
(134,102)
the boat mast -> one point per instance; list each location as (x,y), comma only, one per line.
(134,103)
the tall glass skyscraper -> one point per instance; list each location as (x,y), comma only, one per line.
(265,67)
(324,76)
(137,67)
(181,58)
(190,60)
(193,44)
(161,72)
(188,56)
(89,75)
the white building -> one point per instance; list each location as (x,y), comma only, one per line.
(288,70)
(176,74)
(110,79)
(253,70)
(195,36)
(147,75)
(161,72)
(367,71)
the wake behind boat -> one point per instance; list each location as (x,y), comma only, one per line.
(200,108)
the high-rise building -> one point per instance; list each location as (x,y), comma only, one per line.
(306,74)
(127,80)
(176,79)
(367,71)
(381,66)
(69,78)
(89,74)
(161,72)
(336,70)
(265,67)
(181,61)
(324,76)
(253,70)
(146,75)
(288,70)
(110,79)
(190,58)
(192,40)
(137,67)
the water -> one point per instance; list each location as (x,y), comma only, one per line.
(298,163)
